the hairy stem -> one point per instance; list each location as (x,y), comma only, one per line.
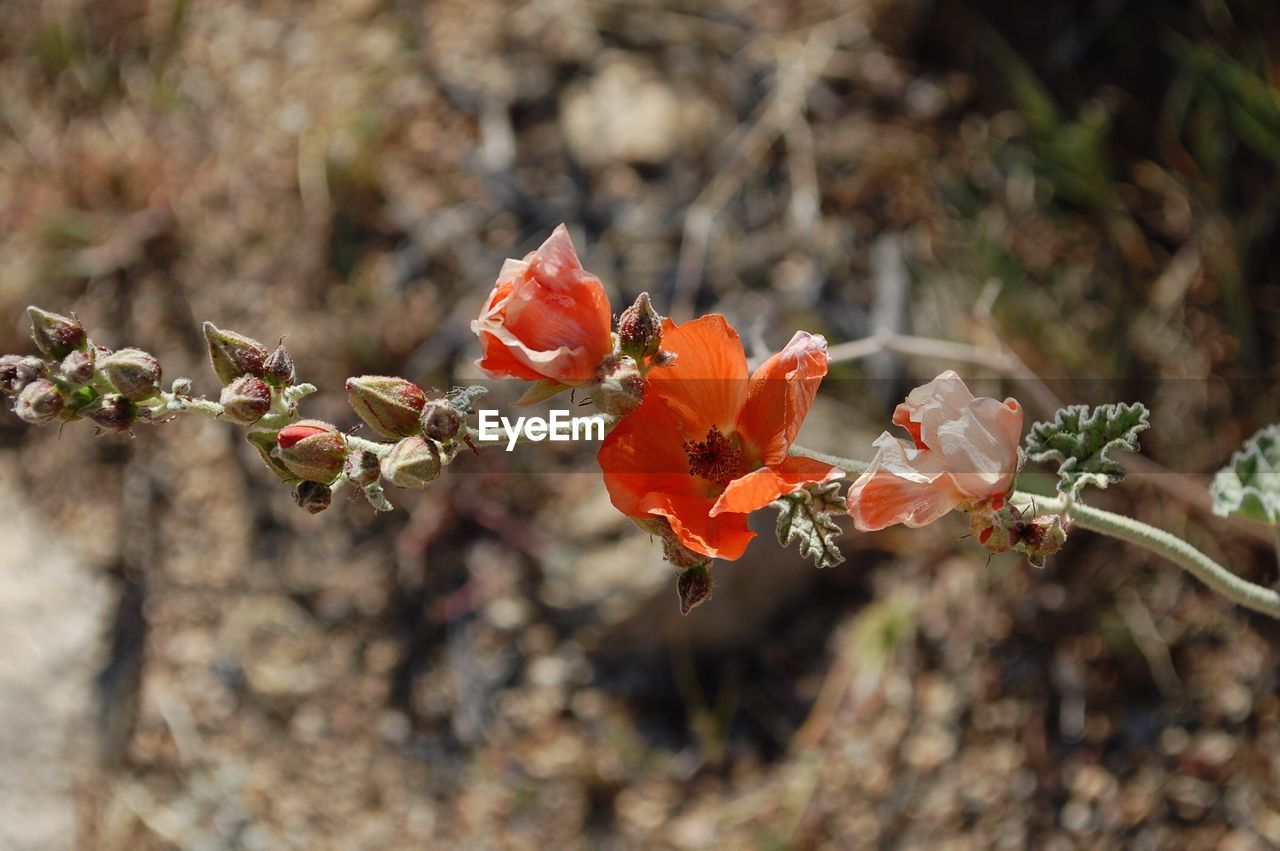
(1219,578)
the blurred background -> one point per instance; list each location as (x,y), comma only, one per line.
(1085,191)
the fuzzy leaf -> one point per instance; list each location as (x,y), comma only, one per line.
(1081,439)
(377,497)
(805,516)
(463,398)
(1249,486)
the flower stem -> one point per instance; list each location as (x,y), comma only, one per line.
(1220,579)
(1199,565)
(851,466)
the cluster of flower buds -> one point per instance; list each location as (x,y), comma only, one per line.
(1001,528)
(76,379)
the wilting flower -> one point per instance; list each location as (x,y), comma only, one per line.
(547,318)
(708,444)
(962,449)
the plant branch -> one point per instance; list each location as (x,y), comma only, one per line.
(1218,578)
(1190,559)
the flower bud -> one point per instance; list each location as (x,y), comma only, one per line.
(114,412)
(312,496)
(440,420)
(78,366)
(278,368)
(233,355)
(312,450)
(640,329)
(181,387)
(413,463)
(362,468)
(265,443)
(133,372)
(246,400)
(693,586)
(55,335)
(1042,537)
(39,402)
(389,405)
(17,371)
(620,387)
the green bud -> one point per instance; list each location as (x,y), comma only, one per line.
(278,368)
(362,468)
(78,366)
(640,329)
(413,463)
(133,372)
(440,420)
(313,497)
(39,402)
(55,335)
(312,450)
(113,412)
(389,405)
(246,400)
(233,355)
(620,387)
(17,371)
(693,586)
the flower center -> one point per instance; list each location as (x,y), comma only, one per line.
(717,459)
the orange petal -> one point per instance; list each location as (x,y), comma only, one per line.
(707,384)
(724,536)
(644,454)
(780,395)
(879,499)
(758,489)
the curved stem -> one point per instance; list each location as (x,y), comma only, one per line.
(1176,550)
(1240,591)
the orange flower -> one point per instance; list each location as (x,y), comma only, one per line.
(547,318)
(963,449)
(708,445)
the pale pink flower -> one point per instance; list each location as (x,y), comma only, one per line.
(963,449)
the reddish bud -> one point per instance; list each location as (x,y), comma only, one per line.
(413,463)
(133,372)
(278,369)
(391,406)
(234,355)
(78,366)
(114,412)
(246,400)
(693,586)
(313,497)
(362,468)
(39,402)
(17,371)
(440,420)
(640,329)
(55,335)
(312,450)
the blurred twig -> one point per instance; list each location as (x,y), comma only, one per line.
(798,70)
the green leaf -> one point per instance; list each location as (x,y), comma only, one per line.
(1249,486)
(1081,439)
(805,516)
(539,391)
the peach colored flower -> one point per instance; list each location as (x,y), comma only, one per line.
(708,444)
(546,318)
(962,449)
